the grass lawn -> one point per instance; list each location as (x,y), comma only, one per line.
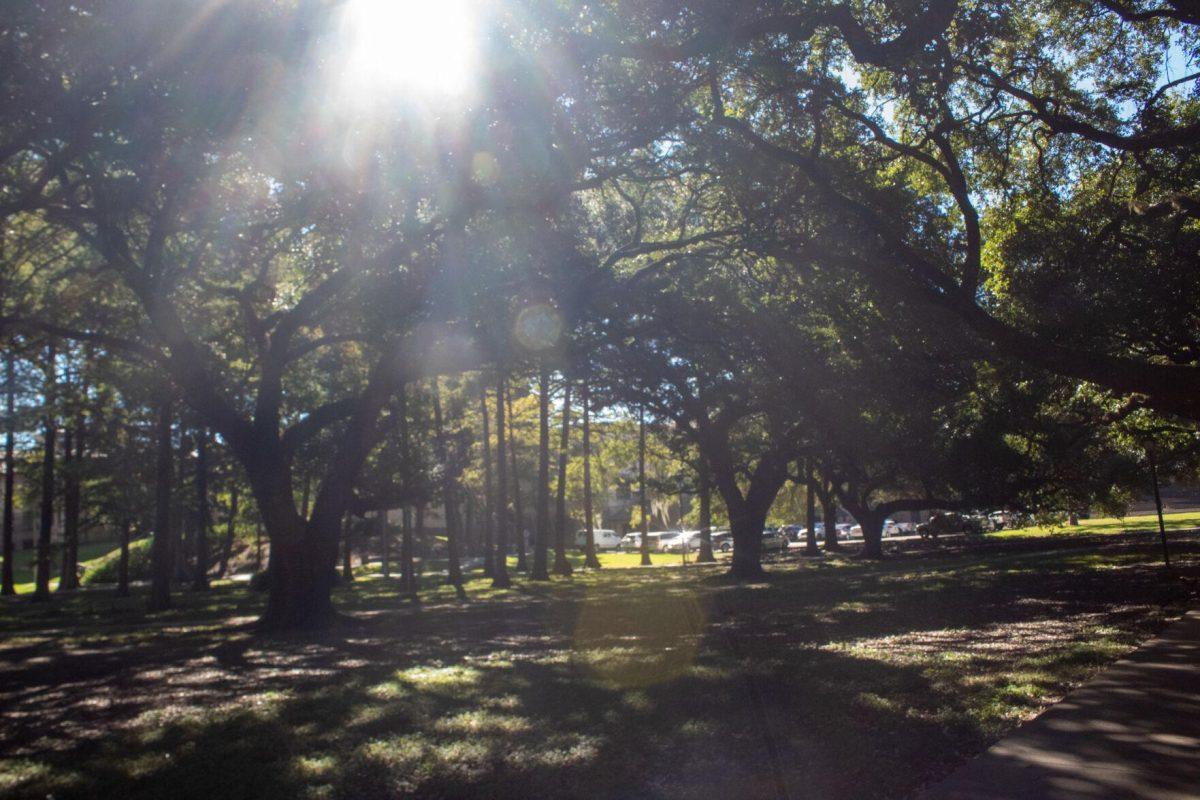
(25,563)
(829,679)
(1172,522)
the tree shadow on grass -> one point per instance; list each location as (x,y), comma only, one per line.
(860,681)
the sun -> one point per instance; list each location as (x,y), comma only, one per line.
(420,47)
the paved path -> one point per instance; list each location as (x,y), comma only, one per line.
(1132,732)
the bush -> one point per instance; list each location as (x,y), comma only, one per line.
(105,569)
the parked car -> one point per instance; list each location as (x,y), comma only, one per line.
(685,541)
(949,522)
(632,542)
(604,538)
(855,531)
(890,528)
(774,539)
(795,533)
(722,541)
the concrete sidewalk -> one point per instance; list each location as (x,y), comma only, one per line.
(1131,732)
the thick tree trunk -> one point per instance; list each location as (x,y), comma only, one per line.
(348,549)
(8,584)
(561,565)
(162,561)
(200,576)
(542,495)
(300,582)
(746,524)
(518,507)
(871,523)
(123,563)
(590,558)
(50,431)
(810,511)
(500,577)
(829,514)
(706,551)
(489,497)
(230,531)
(643,505)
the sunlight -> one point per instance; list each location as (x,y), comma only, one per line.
(413,46)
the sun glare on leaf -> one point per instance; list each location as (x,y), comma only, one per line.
(419,47)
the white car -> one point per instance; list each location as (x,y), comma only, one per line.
(686,541)
(603,537)
(632,542)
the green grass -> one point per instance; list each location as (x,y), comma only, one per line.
(831,679)
(25,563)
(1105,525)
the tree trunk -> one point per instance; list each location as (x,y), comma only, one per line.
(871,523)
(305,494)
(500,577)
(73,451)
(348,549)
(810,511)
(489,498)
(706,551)
(829,514)
(542,495)
(449,495)
(258,546)
(643,506)
(50,426)
(746,522)
(123,564)
(181,521)
(8,584)
(162,562)
(408,578)
(300,582)
(561,565)
(590,558)
(518,508)
(230,530)
(200,576)
(385,542)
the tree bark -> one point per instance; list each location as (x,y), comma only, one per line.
(162,561)
(590,558)
(230,530)
(200,576)
(408,577)
(348,549)
(385,542)
(8,584)
(746,522)
(643,506)
(449,495)
(561,565)
(871,522)
(810,510)
(518,507)
(123,563)
(705,486)
(73,455)
(50,431)
(500,579)
(542,495)
(829,514)
(489,498)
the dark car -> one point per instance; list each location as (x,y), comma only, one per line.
(949,522)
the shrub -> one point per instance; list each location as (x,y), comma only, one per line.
(105,568)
